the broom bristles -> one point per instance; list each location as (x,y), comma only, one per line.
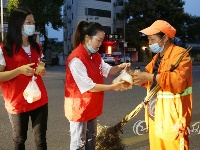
(108,139)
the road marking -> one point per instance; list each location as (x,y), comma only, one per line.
(194,129)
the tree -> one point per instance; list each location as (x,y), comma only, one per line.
(45,12)
(191,28)
(143,13)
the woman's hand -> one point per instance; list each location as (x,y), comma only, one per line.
(42,72)
(27,70)
(124,65)
(118,68)
(119,86)
(40,69)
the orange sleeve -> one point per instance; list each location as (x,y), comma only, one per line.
(178,80)
(149,69)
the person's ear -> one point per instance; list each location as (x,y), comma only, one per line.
(86,39)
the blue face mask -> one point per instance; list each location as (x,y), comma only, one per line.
(91,49)
(28,30)
(155,48)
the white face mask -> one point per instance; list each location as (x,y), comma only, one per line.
(29,30)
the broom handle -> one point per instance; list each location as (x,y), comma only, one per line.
(132,114)
(173,67)
(128,117)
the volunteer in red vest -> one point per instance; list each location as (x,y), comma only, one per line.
(19,56)
(168,114)
(85,72)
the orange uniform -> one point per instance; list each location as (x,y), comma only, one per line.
(173,107)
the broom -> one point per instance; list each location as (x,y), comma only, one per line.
(108,138)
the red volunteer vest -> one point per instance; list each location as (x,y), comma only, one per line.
(13,89)
(83,107)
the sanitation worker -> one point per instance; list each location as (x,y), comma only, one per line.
(168,114)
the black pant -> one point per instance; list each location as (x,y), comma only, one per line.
(19,124)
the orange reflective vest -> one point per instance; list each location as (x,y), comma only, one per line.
(173,108)
(83,107)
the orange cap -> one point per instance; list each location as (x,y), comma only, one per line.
(160,26)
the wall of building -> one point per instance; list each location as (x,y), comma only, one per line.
(81,10)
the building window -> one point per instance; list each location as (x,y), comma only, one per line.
(119,30)
(107,29)
(97,12)
(119,16)
(118,3)
(105,0)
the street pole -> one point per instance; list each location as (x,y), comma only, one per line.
(124,39)
(2,35)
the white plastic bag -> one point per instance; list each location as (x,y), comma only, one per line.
(126,77)
(32,92)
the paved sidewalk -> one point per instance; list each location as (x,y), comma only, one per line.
(56,68)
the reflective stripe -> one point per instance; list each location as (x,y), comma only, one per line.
(161,94)
(187,91)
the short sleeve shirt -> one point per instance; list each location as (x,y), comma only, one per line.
(79,73)
(26,49)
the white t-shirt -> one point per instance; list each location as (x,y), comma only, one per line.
(79,73)
(2,60)
(26,49)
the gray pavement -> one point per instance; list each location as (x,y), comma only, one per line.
(116,106)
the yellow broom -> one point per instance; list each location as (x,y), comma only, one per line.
(108,138)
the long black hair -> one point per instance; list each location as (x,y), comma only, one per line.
(14,33)
(84,28)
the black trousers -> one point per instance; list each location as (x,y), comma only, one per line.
(19,124)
